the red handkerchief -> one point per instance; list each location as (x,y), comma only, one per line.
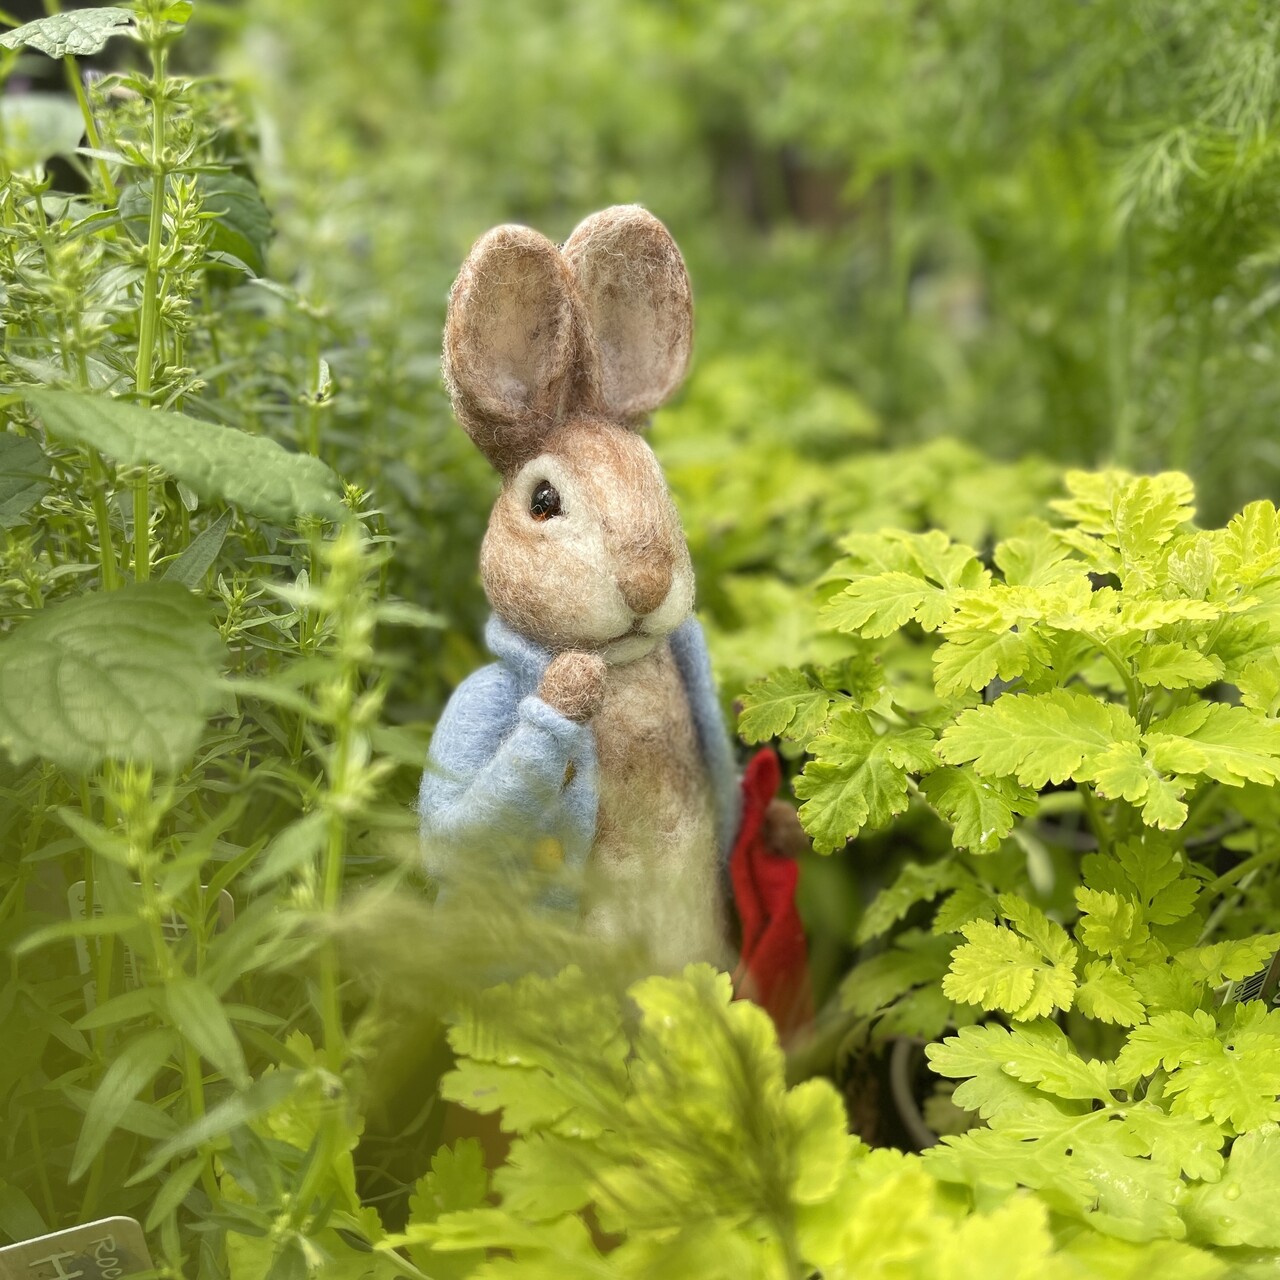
(774,968)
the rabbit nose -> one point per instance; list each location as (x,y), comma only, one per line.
(645,585)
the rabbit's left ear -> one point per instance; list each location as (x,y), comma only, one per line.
(639,309)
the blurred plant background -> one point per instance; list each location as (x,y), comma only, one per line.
(940,252)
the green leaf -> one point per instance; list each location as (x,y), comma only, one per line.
(1110,923)
(1037,738)
(290,848)
(125,675)
(254,473)
(263,1094)
(786,704)
(1232,960)
(972,658)
(19,1218)
(1109,996)
(1175,666)
(38,126)
(79,32)
(1232,745)
(24,477)
(197,1014)
(980,810)
(857,778)
(915,883)
(1125,772)
(877,606)
(201,554)
(1240,1208)
(133,1066)
(1038,1054)
(1026,976)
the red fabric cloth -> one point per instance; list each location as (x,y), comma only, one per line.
(774,968)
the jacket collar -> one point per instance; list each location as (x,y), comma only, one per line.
(526,659)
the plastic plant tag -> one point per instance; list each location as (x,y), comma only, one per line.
(1264,985)
(109,1249)
(174,928)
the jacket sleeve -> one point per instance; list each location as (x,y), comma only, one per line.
(495,771)
(690,648)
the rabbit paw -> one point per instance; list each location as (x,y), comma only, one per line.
(573,684)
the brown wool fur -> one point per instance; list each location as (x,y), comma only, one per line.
(551,360)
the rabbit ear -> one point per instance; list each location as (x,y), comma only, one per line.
(510,343)
(639,310)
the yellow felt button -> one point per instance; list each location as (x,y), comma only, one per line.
(548,854)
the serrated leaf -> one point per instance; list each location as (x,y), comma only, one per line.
(1110,923)
(980,810)
(79,32)
(1124,772)
(1109,996)
(1036,738)
(914,884)
(969,902)
(972,658)
(1231,745)
(127,675)
(1175,666)
(1232,960)
(786,704)
(24,477)
(998,969)
(877,606)
(1240,1208)
(853,781)
(221,463)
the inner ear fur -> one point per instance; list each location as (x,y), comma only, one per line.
(638,307)
(511,342)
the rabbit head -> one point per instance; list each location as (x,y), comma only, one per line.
(553,358)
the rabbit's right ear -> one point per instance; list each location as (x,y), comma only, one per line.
(510,343)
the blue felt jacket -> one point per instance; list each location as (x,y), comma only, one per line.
(506,770)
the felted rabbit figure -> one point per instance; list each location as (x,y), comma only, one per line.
(596,739)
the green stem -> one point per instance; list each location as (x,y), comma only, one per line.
(1132,690)
(150,310)
(1093,811)
(1238,872)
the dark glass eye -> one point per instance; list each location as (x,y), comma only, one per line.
(545,502)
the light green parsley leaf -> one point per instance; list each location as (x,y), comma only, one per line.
(1109,996)
(980,810)
(1240,1207)
(915,883)
(857,778)
(1037,738)
(1110,923)
(1176,666)
(1230,961)
(1026,977)
(1230,744)
(785,704)
(1124,772)
(972,658)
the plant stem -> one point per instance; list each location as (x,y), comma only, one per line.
(1238,872)
(1093,811)
(150,310)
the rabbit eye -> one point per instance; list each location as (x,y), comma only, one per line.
(545,502)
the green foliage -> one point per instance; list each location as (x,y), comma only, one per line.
(1044,234)
(1097,666)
